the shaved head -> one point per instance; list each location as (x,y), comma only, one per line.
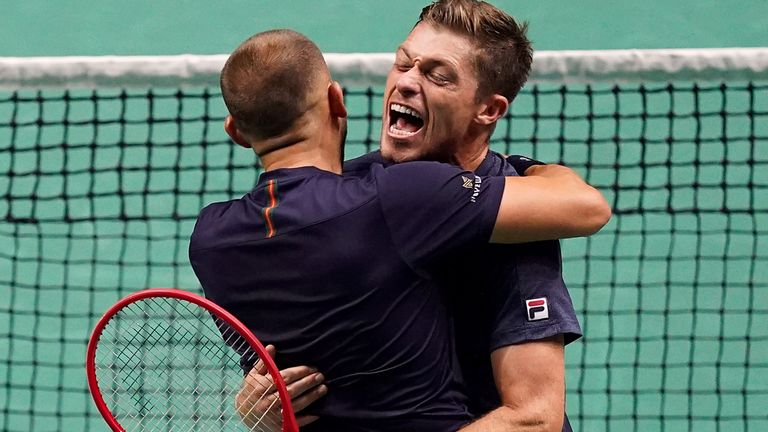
(269,81)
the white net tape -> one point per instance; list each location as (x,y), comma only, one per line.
(356,69)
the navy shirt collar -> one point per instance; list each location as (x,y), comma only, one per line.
(490,166)
(284,173)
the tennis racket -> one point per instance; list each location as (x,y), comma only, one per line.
(168,360)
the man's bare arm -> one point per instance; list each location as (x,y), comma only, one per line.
(549,202)
(530,378)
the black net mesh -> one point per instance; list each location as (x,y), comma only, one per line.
(99,191)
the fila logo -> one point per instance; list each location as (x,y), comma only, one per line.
(467,182)
(537,309)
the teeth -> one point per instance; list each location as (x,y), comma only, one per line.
(395,131)
(405,110)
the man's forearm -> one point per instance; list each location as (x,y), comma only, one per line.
(553,202)
(530,378)
(506,419)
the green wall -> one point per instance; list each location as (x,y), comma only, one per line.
(144,27)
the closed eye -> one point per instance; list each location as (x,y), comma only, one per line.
(402,66)
(439,78)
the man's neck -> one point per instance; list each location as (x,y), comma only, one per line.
(300,155)
(304,148)
(471,157)
(334,168)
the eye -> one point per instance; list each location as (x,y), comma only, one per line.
(402,63)
(402,66)
(439,78)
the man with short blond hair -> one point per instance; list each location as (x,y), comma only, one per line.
(337,271)
(453,78)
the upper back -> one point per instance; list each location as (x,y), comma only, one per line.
(311,262)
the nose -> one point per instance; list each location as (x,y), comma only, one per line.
(407,83)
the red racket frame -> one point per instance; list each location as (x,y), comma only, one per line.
(289,419)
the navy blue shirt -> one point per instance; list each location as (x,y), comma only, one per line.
(336,272)
(495,297)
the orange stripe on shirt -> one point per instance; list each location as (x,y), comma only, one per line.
(272,191)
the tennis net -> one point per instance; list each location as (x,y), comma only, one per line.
(105,163)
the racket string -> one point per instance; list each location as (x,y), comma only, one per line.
(155,351)
(268,411)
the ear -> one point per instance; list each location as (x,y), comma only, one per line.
(336,100)
(491,109)
(234,133)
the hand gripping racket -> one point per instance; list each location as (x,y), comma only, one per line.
(168,360)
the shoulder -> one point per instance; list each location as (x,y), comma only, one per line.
(362,164)
(214,212)
(499,165)
(212,221)
(418,174)
(435,186)
(420,169)
(422,176)
(373,164)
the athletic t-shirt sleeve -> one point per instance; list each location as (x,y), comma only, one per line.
(531,300)
(433,210)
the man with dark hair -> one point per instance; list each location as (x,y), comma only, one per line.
(339,271)
(461,58)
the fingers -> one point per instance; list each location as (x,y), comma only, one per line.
(271,350)
(305,419)
(260,367)
(254,388)
(298,380)
(297,373)
(256,380)
(308,397)
(304,385)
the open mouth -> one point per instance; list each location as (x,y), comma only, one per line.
(404,121)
